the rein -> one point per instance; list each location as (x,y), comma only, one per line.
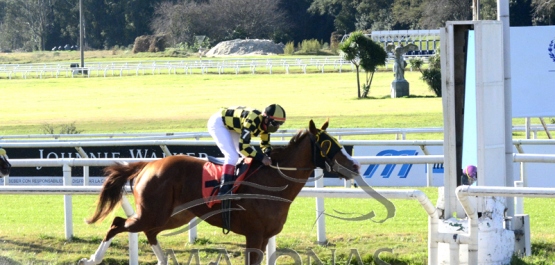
(290,168)
(314,142)
(322,157)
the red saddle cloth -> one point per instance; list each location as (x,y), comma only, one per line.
(211,177)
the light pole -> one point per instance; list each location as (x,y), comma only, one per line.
(81,33)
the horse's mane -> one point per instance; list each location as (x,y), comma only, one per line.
(282,152)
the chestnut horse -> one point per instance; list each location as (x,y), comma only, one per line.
(5,166)
(168,193)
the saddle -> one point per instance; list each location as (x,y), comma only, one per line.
(212,174)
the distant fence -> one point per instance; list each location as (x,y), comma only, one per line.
(204,66)
(187,67)
(398,133)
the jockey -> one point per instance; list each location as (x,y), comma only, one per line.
(232,129)
(4,164)
(471,172)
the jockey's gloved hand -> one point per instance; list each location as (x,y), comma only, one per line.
(267,161)
(268,151)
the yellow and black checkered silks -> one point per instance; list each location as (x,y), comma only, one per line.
(247,122)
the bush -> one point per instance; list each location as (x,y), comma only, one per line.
(289,48)
(432,75)
(335,39)
(310,46)
(64,129)
(416,63)
(149,43)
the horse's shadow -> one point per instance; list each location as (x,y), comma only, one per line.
(8,261)
(22,247)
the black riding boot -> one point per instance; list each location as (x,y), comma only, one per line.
(226,189)
(226,184)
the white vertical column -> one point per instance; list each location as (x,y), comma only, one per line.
(320,217)
(133,237)
(503,15)
(192,231)
(270,251)
(68,212)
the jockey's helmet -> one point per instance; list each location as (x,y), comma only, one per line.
(275,116)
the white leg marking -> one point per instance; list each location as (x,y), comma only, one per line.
(97,257)
(159,254)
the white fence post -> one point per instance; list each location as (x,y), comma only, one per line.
(270,251)
(85,175)
(68,216)
(320,217)
(192,231)
(519,201)
(133,237)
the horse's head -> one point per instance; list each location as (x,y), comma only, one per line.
(330,155)
(5,166)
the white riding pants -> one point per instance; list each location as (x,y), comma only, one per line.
(227,140)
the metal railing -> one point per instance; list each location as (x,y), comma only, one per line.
(204,66)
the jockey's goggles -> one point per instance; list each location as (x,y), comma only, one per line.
(275,123)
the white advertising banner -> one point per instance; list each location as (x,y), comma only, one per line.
(415,175)
(539,175)
(50,181)
(399,175)
(533,71)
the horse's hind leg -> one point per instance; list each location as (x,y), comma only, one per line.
(118,226)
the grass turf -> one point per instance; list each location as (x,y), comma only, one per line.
(31,227)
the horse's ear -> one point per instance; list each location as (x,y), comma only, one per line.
(312,127)
(325,125)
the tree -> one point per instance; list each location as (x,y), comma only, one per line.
(408,13)
(365,53)
(375,15)
(241,19)
(544,11)
(28,22)
(305,25)
(520,11)
(356,15)
(437,12)
(432,75)
(343,12)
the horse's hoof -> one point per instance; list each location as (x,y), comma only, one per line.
(85,261)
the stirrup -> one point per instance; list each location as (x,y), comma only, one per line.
(229,190)
(230,196)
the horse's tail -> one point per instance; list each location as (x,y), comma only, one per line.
(112,189)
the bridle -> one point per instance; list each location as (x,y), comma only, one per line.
(324,148)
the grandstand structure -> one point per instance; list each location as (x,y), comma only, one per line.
(427,40)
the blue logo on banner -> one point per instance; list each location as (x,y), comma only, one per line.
(386,173)
(551,50)
(437,169)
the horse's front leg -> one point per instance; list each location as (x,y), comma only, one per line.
(118,226)
(256,245)
(97,257)
(174,222)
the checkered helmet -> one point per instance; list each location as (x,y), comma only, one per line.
(276,113)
